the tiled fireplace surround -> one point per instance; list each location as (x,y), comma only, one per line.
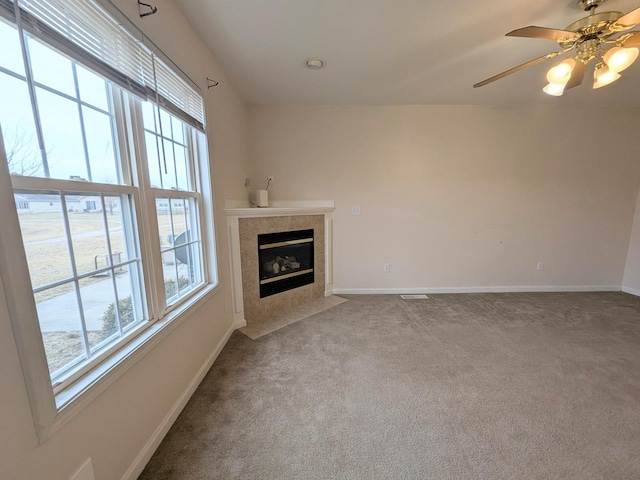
(245,224)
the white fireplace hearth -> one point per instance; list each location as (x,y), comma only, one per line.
(245,223)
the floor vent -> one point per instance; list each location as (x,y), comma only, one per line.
(414,297)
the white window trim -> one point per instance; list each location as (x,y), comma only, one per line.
(148,194)
(72,400)
(22,309)
(70,187)
(52,411)
(146,220)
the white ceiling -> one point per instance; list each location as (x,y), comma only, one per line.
(394,52)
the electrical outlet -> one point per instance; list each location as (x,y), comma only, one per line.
(355,210)
(247,182)
(387,267)
(540,266)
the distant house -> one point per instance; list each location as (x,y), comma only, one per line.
(162,204)
(42,203)
(22,203)
(91,204)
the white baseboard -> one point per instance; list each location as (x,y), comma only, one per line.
(631,291)
(510,289)
(141,460)
(238,320)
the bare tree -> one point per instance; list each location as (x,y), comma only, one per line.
(23,158)
(110,203)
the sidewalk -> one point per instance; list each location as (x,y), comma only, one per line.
(60,314)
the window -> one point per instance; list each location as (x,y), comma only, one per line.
(168,143)
(85,149)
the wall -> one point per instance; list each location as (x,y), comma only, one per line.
(631,282)
(115,427)
(460,198)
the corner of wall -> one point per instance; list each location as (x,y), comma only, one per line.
(631,279)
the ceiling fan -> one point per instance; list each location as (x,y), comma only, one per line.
(603,37)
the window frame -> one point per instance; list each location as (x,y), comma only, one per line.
(52,410)
(38,184)
(53,406)
(71,187)
(149,195)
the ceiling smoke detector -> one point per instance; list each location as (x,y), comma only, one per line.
(314,63)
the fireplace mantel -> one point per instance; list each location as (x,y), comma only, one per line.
(242,209)
(237,209)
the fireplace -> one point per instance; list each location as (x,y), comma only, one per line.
(245,224)
(285,261)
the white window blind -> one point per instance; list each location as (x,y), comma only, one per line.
(176,95)
(83,30)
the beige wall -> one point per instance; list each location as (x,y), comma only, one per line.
(114,428)
(631,281)
(450,196)
(460,196)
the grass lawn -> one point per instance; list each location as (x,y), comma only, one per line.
(48,253)
(49,259)
(46,226)
(63,347)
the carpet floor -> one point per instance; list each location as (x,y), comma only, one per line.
(494,386)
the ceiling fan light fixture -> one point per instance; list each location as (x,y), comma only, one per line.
(604,76)
(561,73)
(620,58)
(599,37)
(554,89)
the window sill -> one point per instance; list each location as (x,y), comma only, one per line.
(72,400)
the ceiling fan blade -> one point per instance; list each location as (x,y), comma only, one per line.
(631,19)
(544,33)
(632,41)
(577,75)
(517,69)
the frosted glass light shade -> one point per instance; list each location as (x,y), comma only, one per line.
(561,73)
(555,89)
(604,76)
(619,58)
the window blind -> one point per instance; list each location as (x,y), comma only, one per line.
(174,94)
(86,32)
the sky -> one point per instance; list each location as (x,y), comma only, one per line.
(69,96)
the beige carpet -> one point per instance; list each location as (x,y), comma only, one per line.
(500,386)
(257,328)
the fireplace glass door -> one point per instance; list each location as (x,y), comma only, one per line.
(285,260)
